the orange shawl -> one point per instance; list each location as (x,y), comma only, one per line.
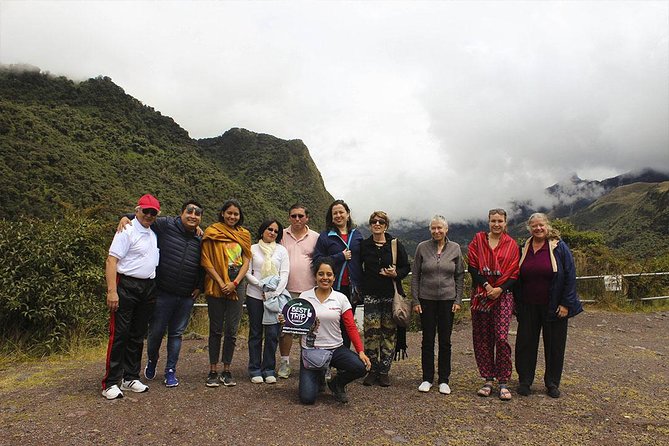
(214,256)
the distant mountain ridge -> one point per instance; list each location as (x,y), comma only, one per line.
(90,147)
(575,193)
(633,217)
(630,210)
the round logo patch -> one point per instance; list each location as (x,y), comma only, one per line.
(299,316)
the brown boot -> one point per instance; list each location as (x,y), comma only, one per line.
(384,380)
(370,379)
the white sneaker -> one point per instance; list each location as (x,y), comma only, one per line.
(135,386)
(424,386)
(284,369)
(443,388)
(256,379)
(270,379)
(113,392)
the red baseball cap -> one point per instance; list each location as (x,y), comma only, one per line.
(148,201)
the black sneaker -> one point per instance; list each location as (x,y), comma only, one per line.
(370,379)
(227,379)
(553,392)
(338,391)
(523,390)
(212,380)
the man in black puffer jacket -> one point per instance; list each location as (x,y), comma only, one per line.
(179,278)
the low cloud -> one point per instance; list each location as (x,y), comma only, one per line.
(416,108)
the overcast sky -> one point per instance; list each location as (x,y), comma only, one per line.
(415,108)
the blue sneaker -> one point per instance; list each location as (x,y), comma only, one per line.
(150,370)
(171,379)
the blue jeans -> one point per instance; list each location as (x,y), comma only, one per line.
(171,313)
(261,361)
(349,367)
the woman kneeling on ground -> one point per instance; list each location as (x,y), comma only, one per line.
(331,308)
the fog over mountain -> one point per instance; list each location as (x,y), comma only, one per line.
(412,107)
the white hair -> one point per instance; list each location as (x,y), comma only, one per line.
(440,218)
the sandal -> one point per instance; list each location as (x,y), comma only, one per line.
(486,390)
(504,393)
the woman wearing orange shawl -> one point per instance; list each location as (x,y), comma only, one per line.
(493,264)
(226,252)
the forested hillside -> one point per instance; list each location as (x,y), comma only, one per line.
(91,147)
(632,218)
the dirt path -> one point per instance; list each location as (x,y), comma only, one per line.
(614,393)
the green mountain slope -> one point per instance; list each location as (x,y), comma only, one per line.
(633,218)
(91,147)
(274,172)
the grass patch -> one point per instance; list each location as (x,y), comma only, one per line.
(46,370)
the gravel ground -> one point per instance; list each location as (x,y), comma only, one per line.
(614,392)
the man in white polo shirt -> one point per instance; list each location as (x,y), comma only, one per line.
(130,270)
(300,241)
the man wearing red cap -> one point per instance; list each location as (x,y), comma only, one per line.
(130,271)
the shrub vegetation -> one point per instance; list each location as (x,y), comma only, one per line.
(51,283)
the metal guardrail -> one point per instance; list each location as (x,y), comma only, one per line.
(590,301)
(629,275)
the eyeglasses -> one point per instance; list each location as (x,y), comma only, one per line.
(377,222)
(297,216)
(276,231)
(151,212)
(194,210)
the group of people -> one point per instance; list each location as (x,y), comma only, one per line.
(157,266)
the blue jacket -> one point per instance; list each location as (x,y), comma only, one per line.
(179,271)
(330,244)
(563,285)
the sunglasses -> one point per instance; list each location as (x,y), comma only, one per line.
(151,212)
(377,222)
(276,231)
(297,216)
(194,210)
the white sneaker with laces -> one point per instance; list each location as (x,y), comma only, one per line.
(134,385)
(444,388)
(425,386)
(113,392)
(256,379)
(270,379)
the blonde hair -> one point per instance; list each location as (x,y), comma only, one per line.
(552,232)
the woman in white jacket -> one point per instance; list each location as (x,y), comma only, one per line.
(267,278)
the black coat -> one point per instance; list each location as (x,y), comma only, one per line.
(373,259)
(179,271)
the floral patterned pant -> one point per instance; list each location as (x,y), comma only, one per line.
(491,339)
